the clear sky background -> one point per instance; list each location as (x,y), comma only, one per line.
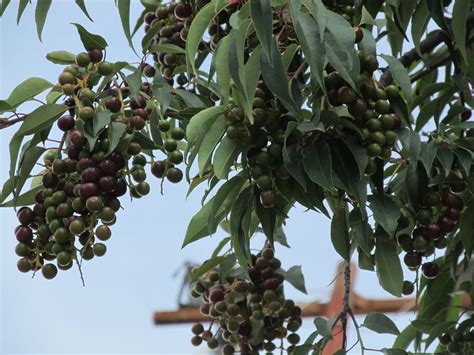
(113,313)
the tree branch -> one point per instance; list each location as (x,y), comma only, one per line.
(432,40)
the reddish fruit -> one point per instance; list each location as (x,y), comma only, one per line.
(446,224)
(430,270)
(25,215)
(66,123)
(412,259)
(432,231)
(453,213)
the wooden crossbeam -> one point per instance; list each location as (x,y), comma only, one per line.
(359,305)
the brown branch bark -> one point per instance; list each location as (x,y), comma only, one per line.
(432,40)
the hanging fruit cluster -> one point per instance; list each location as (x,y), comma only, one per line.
(460,338)
(251,316)
(371,111)
(78,199)
(436,218)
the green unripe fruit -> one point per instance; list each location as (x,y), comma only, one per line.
(176,157)
(99,249)
(94,204)
(374,150)
(57,248)
(380,94)
(377,137)
(388,121)
(59,197)
(374,125)
(22,249)
(62,235)
(103,232)
(177,133)
(170,145)
(139,175)
(86,113)
(164,126)
(78,205)
(64,258)
(105,68)
(66,78)
(55,224)
(196,340)
(382,106)
(24,265)
(142,188)
(51,213)
(264,182)
(390,137)
(68,89)
(83,59)
(49,271)
(424,216)
(392,92)
(233,132)
(259,103)
(139,160)
(174,175)
(107,215)
(71,69)
(76,227)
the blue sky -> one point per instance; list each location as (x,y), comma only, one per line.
(113,313)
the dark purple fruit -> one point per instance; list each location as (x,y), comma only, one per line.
(408,288)
(268,198)
(445,224)
(25,215)
(96,55)
(24,234)
(183,11)
(50,180)
(77,138)
(430,270)
(88,189)
(412,259)
(107,184)
(358,107)
(66,123)
(432,231)
(113,104)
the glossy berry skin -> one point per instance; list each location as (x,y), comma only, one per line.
(412,259)
(430,270)
(433,231)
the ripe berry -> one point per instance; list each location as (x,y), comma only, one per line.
(433,231)
(95,55)
(183,11)
(66,123)
(174,175)
(268,198)
(113,104)
(430,270)
(412,259)
(49,271)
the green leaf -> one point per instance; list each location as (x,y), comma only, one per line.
(26,199)
(27,164)
(340,232)
(239,221)
(309,36)
(21,8)
(466,226)
(461,10)
(89,40)
(82,6)
(209,143)
(262,17)
(324,327)
(380,323)
(198,227)
(386,212)
(317,163)
(148,38)
(252,73)
(124,12)
(101,119)
(389,270)
(26,91)
(205,267)
(360,230)
(61,57)
(116,131)
(225,156)
(276,79)
(222,67)
(41,11)
(420,20)
(400,76)
(340,60)
(199,26)
(3,6)
(428,154)
(306,347)
(193,130)
(446,158)
(41,118)
(394,351)
(295,277)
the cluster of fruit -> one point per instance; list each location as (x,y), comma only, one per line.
(460,338)
(265,137)
(372,111)
(345,8)
(251,315)
(82,188)
(439,215)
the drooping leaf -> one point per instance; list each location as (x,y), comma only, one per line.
(419,22)
(90,40)
(27,164)
(386,212)
(389,270)
(61,57)
(199,26)
(41,11)
(460,14)
(116,131)
(26,199)
(295,277)
(26,91)
(41,118)
(261,13)
(340,232)
(21,8)
(82,6)
(124,12)
(380,323)
(101,119)
(226,154)
(209,143)
(317,163)
(400,76)
(359,230)
(324,327)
